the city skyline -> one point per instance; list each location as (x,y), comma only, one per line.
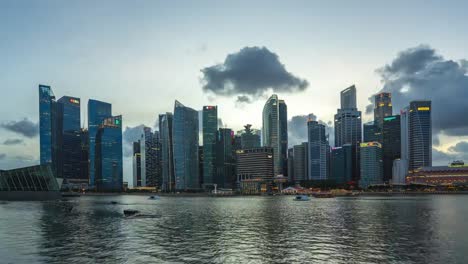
(315,89)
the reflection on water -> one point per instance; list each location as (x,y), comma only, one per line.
(426,229)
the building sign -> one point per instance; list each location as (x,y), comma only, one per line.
(389,118)
(117,121)
(74,101)
(371,144)
(424,108)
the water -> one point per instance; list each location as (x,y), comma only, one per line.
(422,229)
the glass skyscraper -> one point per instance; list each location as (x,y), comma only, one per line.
(108,159)
(382,108)
(341,164)
(185,140)
(391,144)
(371,164)
(46,126)
(420,134)
(225,176)
(371,132)
(273,131)
(317,153)
(97,112)
(167,152)
(283,119)
(300,162)
(210,128)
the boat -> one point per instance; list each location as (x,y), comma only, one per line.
(130,212)
(153,197)
(323,195)
(301,198)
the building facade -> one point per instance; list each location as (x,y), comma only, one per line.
(272,131)
(185,140)
(225,176)
(137,174)
(301,163)
(46,124)
(167,152)
(391,144)
(371,132)
(371,164)
(382,108)
(210,128)
(420,134)
(255,164)
(317,151)
(249,138)
(341,170)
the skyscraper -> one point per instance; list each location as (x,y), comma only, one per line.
(317,153)
(341,164)
(371,132)
(300,163)
(273,131)
(210,127)
(46,123)
(420,134)
(348,126)
(185,140)
(97,112)
(151,158)
(291,177)
(371,164)
(137,164)
(283,119)
(382,108)
(225,176)
(108,158)
(250,138)
(167,151)
(69,140)
(391,144)
(84,164)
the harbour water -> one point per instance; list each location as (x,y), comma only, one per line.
(91,229)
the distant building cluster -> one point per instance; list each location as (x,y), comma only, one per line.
(392,149)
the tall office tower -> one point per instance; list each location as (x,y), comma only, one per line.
(348,126)
(255,164)
(225,176)
(185,141)
(237,142)
(137,175)
(200,164)
(250,138)
(69,140)
(46,124)
(84,161)
(109,170)
(167,151)
(272,131)
(210,127)
(283,119)
(404,138)
(382,108)
(391,144)
(97,112)
(151,158)
(341,170)
(291,165)
(371,164)
(371,132)
(420,134)
(300,163)
(317,153)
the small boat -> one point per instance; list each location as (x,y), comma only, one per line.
(301,198)
(130,212)
(153,197)
(323,195)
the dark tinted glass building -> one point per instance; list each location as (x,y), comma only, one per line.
(283,119)
(167,151)
(317,152)
(97,112)
(420,134)
(210,128)
(372,132)
(46,123)
(382,108)
(108,156)
(391,144)
(341,170)
(225,176)
(185,140)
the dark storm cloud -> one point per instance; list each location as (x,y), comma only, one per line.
(23,127)
(250,72)
(420,73)
(130,135)
(243,99)
(297,129)
(460,147)
(10,141)
(2,156)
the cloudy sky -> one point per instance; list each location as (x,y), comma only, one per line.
(142,55)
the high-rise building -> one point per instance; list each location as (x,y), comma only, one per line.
(137,175)
(108,156)
(300,162)
(210,127)
(348,126)
(84,163)
(151,158)
(273,131)
(97,112)
(317,152)
(283,119)
(372,132)
(371,164)
(255,164)
(341,164)
(167,152)
(46,124)
(185,140)
(250,138)
(391,144)
(420,135)
(404,138)
(291,165)
(400,170)
(225,176)
(69,140)
(382,108)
